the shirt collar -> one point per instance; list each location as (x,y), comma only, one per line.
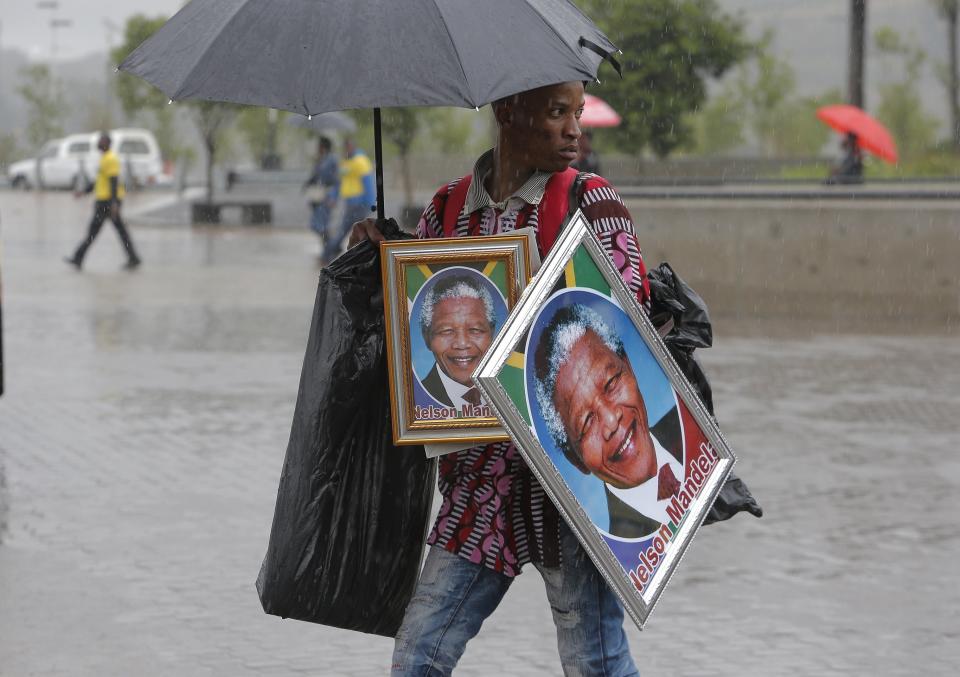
(646,494)
(455,389)
(530,192)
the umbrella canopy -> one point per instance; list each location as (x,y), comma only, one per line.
(314,56)
(872,136)
(338,122)
(598,113)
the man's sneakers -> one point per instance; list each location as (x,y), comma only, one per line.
(73,261)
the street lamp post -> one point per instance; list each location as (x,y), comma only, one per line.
(55,23)
(858,29)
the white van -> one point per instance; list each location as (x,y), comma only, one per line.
(140,161)
(72,162)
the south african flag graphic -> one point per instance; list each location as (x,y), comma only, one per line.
(580,271)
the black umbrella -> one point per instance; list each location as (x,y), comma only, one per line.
(314,56)
(338,122)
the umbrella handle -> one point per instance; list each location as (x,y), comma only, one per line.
(378,153)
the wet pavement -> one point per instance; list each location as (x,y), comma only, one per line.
(146,414)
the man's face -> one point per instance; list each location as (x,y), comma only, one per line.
(543,127)
(459,336)
(349,148)
(103,143)
(603,414)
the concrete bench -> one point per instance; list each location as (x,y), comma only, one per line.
(251,212)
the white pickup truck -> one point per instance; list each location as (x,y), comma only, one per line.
(71,162)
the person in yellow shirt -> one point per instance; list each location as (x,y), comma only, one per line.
(108,194)
(358,192)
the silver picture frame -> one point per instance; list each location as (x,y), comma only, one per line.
(421,410)
(521,384)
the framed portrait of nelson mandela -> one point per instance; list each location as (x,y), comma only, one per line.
(445,302)
(605,419)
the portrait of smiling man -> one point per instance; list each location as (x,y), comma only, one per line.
(458,322)
(595,413)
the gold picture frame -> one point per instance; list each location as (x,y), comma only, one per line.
(445,300)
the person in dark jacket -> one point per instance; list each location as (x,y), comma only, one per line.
(322,187)
(458,322)
(850,170)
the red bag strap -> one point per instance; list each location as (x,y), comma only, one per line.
(554,208)
(456,198)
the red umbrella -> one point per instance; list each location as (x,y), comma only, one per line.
(598,113)
(871,135)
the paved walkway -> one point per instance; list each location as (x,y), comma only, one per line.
(146,415)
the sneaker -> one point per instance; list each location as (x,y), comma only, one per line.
(76,263)
(132,264)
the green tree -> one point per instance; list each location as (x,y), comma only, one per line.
(210,118)
(140,98)
(400,127)
(949,72)
(9,149)
(717,127)
(260,130)
(670,49)
(901,106)
(800,132)
(45,103)
(449,129)
(761,96)
(766,85)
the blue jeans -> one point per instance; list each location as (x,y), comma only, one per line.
(455,596)
(319,217)
(352,212)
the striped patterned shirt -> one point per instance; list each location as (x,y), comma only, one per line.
(494,511)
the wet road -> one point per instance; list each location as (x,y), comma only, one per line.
(146,415)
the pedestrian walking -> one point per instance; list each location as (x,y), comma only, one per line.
(495,516)
(108,194)
(358,192)
(322,188)
(850,169)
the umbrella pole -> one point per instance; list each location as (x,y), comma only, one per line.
(378,152)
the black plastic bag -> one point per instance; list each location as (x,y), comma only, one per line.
(673,301)
(351,516)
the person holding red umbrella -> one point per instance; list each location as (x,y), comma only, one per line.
(850,170)
(862,132)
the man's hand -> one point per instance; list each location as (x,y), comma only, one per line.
(365,230)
